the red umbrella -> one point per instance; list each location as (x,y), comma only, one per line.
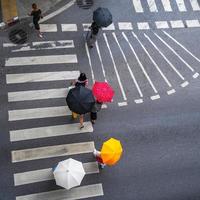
(103,91)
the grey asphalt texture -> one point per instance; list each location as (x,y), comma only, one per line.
(161,159)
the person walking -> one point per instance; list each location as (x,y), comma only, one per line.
(97,155)
(37,15)
(93,34)
(96,108)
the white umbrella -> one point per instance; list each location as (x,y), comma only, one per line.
(69,173)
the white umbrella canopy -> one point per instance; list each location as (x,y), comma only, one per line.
(69,173)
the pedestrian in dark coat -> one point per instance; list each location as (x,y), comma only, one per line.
(93,34)
(93,114)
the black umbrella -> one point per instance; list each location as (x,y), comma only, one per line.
(102,17)
(80,100)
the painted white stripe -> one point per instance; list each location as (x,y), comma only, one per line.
(166,5)
(177,24)
(69,27)
(138,101)
(111,27)
(115,68)
(152,5)
(153,61)
(120,104)
(138,6)
(86,27)
(48,28)
(47,174)
(128,66)
(182,46)
(195,75)
(42,76)
(125,26)
(41,60)
(162,24)
(189,67)
(195,5)
(63,194)
(192,23)
(171,91)
(143,25)
(139,62)
(155,97)
(185,84)
(37,94)
(181,5)
(49,131)
(14,45)
(162,54)
(52,151)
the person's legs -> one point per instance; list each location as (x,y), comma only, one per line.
(37,27)
(81,121)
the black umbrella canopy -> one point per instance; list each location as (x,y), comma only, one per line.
(80,100)
(102,17)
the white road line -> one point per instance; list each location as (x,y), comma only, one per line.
(138,101)
(189,67)
(143,25)
(186,83)
(192,23)
(181,5)
(14,45)
(162,24)
(81,192)
(90,63)
(52,151)
(177,24)
(138,6)
(181,46)
(37,94)
(166,5)
(140,64)
(41,60)
(170,64)
(152,5)
(86,27)
(48,28)
(120,104)
(69,27)
(49,131)
(195,75)
(153,61)
(128,66)
(171,91)
(47,174)
(38,113)
(125,26)
(111,27)
(195,5)
(155,97)
(115,68)
(41,76)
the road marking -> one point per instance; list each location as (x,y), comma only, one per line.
(41,60)
(81,192)
(120,104)
(143,25)
(161,24)
(49,131)
(115,68)
(128,66)
(111,27)
(138,6)
(171,91)
(166,5)
(139,62)
(170,64)
(195,75)
(181,5)
(47,174)
(195,5)
(138,101)
(189,67)
(68,27)
(177,24)
(185,84)
(37,94)
(155,97)
(192,23)
(41,76)
(86,27)
(125,26)
(48,28)
(152,5)
(52,151)
(7,44)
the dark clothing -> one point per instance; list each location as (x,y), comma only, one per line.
(80,84)
(93,115)
(36,17)
(94,28)
(96,108)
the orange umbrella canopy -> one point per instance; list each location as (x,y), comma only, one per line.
(111,151)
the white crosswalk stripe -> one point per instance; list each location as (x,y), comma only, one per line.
(181,5)
(195,5)
(152,5)
(138,6)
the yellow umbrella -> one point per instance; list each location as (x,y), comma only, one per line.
(111,151)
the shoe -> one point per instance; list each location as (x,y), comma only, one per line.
(82,126)
(40,35)
(93,122)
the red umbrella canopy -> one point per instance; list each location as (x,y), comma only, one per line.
(103,91)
